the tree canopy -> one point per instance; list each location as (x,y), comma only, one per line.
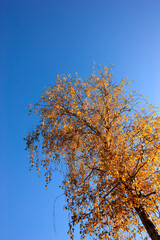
(108,136)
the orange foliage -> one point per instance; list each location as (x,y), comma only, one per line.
(110,143)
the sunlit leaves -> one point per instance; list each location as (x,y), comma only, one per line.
(110,144)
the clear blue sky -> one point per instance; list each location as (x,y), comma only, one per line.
(40,39)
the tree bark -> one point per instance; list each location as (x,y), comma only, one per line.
(147,223)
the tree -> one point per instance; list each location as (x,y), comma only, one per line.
(110,143)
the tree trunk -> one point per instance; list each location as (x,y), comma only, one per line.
(147,223)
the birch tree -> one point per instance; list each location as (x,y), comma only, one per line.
(108,137)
